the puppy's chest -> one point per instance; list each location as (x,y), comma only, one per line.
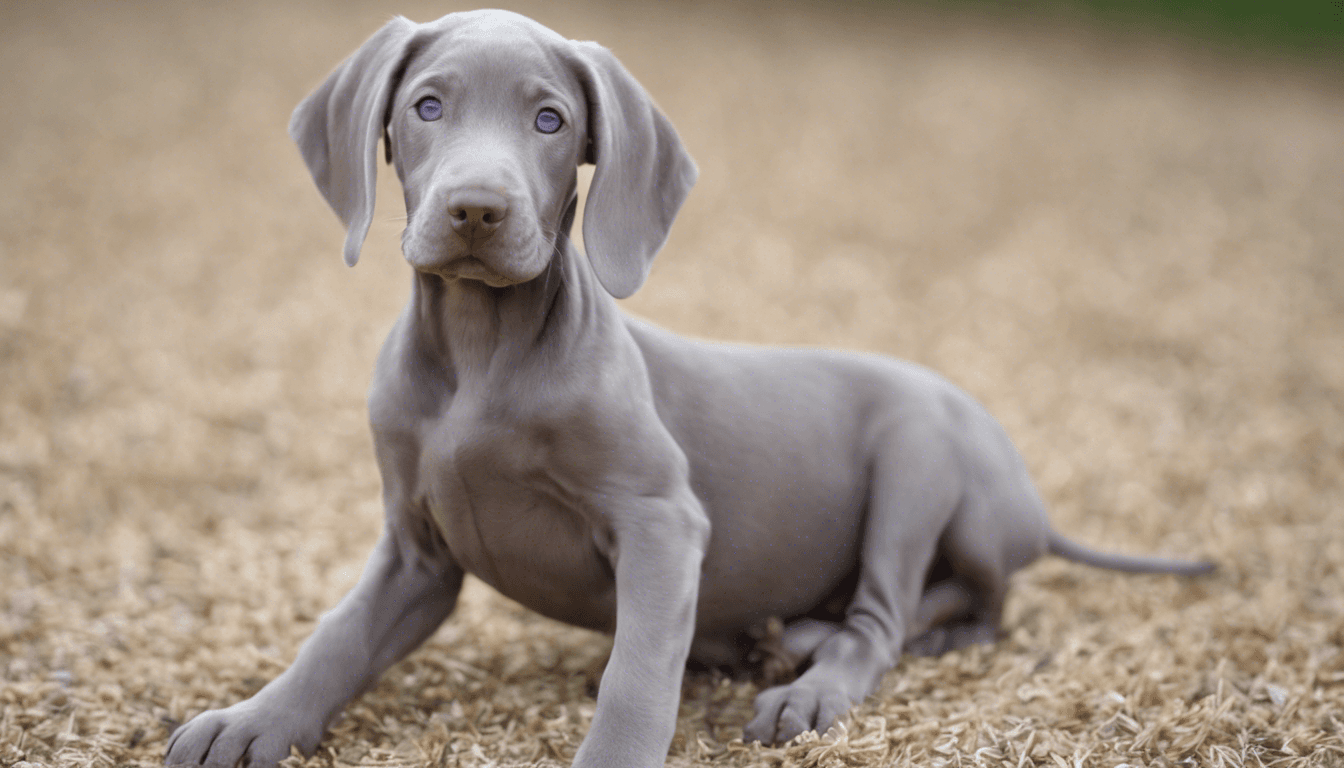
(512,514)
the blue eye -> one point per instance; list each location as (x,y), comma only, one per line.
(429,109)
(548,120)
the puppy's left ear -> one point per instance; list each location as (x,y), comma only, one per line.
(338,126)
(642,177)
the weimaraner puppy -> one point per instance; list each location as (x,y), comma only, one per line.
(603,472)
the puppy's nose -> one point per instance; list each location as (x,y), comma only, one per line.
(476,212)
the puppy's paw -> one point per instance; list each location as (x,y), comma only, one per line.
(785,711)
(246,733)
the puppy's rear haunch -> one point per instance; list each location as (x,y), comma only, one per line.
(597,469)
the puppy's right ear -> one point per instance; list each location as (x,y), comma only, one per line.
(338,126)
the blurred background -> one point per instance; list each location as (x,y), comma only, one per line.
(1120,225)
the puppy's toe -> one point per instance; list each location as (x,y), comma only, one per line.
(190,743)
(786,711)
(769,703)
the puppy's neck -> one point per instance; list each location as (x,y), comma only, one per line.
(479,332)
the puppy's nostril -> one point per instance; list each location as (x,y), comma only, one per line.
(476,209)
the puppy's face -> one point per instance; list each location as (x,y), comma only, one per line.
(487,116)
(487,127)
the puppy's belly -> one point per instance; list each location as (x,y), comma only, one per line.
(771,561)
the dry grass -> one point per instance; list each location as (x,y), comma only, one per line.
(1132,251)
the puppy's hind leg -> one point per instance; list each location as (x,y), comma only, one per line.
(999,528)
(945,604)
(915,491)
(952,616)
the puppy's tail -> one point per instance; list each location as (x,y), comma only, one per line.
(1072,550)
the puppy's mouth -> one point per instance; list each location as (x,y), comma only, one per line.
(496,263)
(471,268)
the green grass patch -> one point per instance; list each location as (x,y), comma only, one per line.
(1311,27)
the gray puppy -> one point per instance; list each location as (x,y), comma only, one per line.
(603,472)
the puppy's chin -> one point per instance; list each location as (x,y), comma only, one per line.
(485,267)
(471,268)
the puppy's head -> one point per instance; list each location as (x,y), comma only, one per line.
(486,116)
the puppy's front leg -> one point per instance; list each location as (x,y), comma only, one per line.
(401,598)
(660,543)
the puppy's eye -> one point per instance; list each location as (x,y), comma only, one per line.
(429,109)
(548,120)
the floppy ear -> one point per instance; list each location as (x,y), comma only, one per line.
(338,126)
(642,177)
